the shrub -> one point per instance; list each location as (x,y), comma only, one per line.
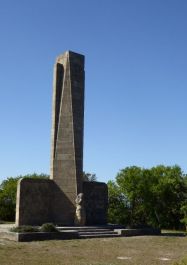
(24,229)
(48,227)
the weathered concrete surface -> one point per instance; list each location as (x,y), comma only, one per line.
(39,236)
(138,232)
(41,201)
(5,227)
(67,129)
(96,202)
(34,198)
(78,232)
(5,233)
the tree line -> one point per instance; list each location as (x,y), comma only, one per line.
(138,197)
(154,197)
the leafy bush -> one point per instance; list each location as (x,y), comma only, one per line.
(24,229)
(48,227)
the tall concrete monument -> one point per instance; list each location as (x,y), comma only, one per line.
(54,200)
(67,129)
(68,123)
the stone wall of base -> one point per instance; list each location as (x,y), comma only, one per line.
(41,201)
(96,202)
(33,205)
(38,236)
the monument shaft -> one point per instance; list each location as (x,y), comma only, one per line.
(53,200)
(68,124)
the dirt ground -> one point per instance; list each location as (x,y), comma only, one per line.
(142,250)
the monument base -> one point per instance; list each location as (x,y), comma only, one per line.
(75,232)
(41,201)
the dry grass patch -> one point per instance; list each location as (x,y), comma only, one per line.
(144,250)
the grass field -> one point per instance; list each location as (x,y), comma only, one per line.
(142,250)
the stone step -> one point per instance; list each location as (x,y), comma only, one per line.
(97,233)
(85,236)
(101,231)
(87,230)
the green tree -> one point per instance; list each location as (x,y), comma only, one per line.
(184,212)
(8,199)
(118,211)
(170,193)
(153,196)
(135,183)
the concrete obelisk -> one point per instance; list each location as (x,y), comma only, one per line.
(41,201)
(67,126)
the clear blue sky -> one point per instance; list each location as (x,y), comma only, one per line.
(136,81)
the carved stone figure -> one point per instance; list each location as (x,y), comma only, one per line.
(80,215)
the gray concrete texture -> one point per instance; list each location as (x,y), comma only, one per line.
(67,130)
(68,124)
(96,202)
(41,201)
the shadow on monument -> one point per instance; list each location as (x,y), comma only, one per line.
(41,201)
